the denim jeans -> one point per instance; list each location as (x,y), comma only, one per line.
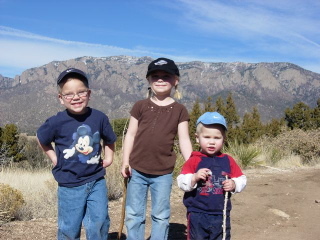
(207,226)
(136,203)
(87,204)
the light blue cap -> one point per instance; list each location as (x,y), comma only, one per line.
(212,118)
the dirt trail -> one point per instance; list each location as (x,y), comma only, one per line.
(282,205)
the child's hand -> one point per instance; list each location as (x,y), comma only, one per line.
(126,171)
(202,174)
(228,185)
(106,163)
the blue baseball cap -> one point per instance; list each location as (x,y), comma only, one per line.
(209,118)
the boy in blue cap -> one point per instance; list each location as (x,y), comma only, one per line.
(77,164)
(205,177)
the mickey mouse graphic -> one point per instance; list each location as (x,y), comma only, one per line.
(86,144)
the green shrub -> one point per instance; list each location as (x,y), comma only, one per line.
(245,155)
(34,156)
(10,202)
(275,155)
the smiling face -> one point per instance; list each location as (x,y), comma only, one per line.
(77,104)
(162,82)
(211,138)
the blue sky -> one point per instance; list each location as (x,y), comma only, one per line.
(36,32)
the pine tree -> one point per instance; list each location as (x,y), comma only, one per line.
(316,115)
(219,106)
(233,119)
(231,114)
(273,128)
(120,127)
(300,116)
(194,115)
(0,137)
(252,126)
(208,105)
(10,139)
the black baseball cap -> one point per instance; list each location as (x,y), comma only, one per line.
(163,64)
(72,71)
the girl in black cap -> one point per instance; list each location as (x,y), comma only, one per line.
(148,150)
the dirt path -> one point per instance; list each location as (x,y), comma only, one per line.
(283,205)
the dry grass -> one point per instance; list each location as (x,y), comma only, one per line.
(114,177)
(39,187)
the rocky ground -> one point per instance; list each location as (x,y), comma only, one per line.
(277,204)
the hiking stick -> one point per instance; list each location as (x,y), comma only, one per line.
(124,193)
(123,209)
(224,223)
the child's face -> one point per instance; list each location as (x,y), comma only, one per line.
(74,96)
(211,139)
(162,82)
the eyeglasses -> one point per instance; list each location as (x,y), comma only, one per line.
(81,94)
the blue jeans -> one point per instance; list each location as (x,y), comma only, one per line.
(207,226)
(87,203)
(136,203)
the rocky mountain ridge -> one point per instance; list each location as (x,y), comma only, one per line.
(119,81)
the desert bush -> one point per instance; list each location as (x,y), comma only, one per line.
(10,202)
(5,160)
(270,154)
(34,156)
(302,143)
(245,155)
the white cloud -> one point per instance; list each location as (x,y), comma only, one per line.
(24,49)
(281,22)
(21,50)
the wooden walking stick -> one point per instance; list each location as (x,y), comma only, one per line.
(125,183)
(224,223)
(123,209)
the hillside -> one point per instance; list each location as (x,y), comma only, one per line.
(117,82)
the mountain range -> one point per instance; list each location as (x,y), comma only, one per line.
(117,82)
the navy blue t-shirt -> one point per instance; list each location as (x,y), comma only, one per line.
(77,144)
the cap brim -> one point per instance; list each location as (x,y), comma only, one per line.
(159,69)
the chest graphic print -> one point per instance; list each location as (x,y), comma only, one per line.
(85,146)
(212,185)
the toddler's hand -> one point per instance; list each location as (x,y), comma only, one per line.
(228,185)
(202,173)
